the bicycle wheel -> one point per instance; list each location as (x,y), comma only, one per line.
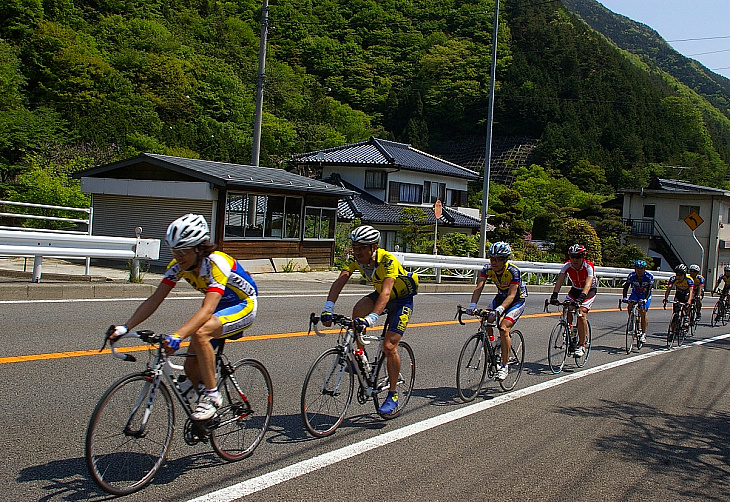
(122,453)
(516,360)
(581,361)
(558,347)
(326,393)
(692,321)
(725,314)
(682,330)
(716,314)
(637,330)
(471,368)
(630,326)
(244,417)
(672,330)
(406,377)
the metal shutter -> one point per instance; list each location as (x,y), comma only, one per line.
(119,215)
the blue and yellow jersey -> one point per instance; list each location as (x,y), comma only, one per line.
(220,273)
(510,275)
(699,282)
(725,279)
(641,286)
(386,265)
(683,284)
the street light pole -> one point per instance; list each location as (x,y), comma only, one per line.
(260,80)
(490,120)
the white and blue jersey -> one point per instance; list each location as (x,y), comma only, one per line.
(640,287)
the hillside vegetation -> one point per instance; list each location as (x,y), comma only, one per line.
(89,81)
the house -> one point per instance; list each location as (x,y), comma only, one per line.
(387,177)
(661,218)
(253,212)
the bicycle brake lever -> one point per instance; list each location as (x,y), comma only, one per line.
(459,313)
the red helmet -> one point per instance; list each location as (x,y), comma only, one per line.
(577,249)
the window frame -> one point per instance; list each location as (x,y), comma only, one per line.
(265,219)
(332,225)
(370,176)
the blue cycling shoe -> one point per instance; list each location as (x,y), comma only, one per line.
(390,403)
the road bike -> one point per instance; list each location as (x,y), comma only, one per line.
(330,382)
(633,324)
(481,356)
(679,324)
(694,315)
(131,428)
(564,338)
(721,311)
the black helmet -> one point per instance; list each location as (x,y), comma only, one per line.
(681,269)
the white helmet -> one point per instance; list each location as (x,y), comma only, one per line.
(365,234)
(694,268)
(500,249)
(187,232)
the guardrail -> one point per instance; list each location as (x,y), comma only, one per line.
(60,245)
(460,267)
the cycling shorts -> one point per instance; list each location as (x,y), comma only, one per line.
(513,312)
(574,292)
(399,312)
(235,320)
(635,298)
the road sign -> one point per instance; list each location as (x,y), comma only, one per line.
(437,209)
(693,220)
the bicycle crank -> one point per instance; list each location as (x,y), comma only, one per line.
(195,432)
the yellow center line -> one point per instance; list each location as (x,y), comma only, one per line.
(272,336)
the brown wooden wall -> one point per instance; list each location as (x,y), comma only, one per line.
(319,254)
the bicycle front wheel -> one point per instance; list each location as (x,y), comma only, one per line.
(244,417)
(637,330)
(516,359)
(326,393)
(581,361)
(558,347)
(716,314)
(672,330)
(406,377)
(129,434)
(630,323)
(471,368)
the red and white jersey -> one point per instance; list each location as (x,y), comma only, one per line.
(579,276)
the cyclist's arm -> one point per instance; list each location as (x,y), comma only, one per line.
(337,286)
(666,293)
(481,280)
(210,302)
(626,289)
(148,307)
(649,289)
(587,285)
(384,296)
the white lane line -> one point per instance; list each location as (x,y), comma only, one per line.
(273,478)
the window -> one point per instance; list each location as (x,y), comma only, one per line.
(375,180)
(433,191)
(685,211)
(649,210)
(262,216)
(319,222)
(455,198)
(405,192)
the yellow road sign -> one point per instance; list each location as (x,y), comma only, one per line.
(693,220)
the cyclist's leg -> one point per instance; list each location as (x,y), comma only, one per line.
(508,320)
(583,319)
(363,307)
(644,314)
(400,314)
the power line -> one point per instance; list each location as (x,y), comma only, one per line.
(694,39)
(711,52)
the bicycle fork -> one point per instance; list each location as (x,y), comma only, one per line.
(149,390)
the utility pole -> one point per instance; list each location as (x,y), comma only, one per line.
(260,81)
(490,120)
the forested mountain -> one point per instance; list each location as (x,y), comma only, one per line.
(88,81)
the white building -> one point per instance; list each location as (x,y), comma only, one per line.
(658,218)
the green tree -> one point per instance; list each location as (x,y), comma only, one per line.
(575,231)
(413,236)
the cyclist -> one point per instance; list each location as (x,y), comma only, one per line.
(725,279)
(583,290)
(642,283)
(229,306)
(394,290)
(685,288)
(699,288)
(509,301)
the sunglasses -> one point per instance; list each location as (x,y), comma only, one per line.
(576,256)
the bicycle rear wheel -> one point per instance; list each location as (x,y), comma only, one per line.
(516,360)
(244,417)
(406,377)
(630,325)
(326,393)
(672,330)
(558,347)
(581,361)
(637,330)
(122,453)
(471,368)
(725,314)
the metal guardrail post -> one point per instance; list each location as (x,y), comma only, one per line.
(37,265)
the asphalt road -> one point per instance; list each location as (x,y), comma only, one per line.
(650,429)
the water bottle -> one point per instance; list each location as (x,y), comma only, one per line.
(362,359)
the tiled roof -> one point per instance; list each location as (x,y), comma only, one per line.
(372,210)
(383,153)
(657,185)
(225,174)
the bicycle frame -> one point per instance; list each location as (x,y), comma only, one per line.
(484,324)
(563,339)
(677,329)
